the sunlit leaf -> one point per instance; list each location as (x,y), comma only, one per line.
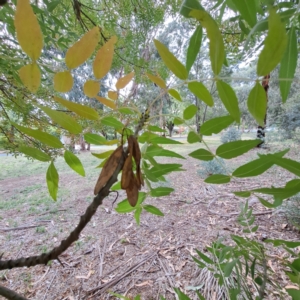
(201,92)
(153,210)
(125,207)
(193,137)
(31,76)
(288,164)
(42,136)
(122,82)
(217,179)
(28,30)
(161,191)
(154,150)
(81,110)
(171,61)
(34,153)
(163,169)
(202,154)
(74,162)
(82,49)
(63,81)
(257,103)
(288,64)
(247,10)
(137,214)
(52,179)
(103,59)
(103,154)
(63,119)
(112,95)
(194,47)
(106,102)
(178,121)
(95,139)
(274,47)
(157,80)
(216,125)
(216,44)
(236,148)
(229,99)
(190,112)
(188,6)
(174,93)
(91,88)
(112,122)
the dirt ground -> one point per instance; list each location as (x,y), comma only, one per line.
(114,253)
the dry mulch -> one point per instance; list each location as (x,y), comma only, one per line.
(114,253)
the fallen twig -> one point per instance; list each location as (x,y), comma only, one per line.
(9,294)
(19,228)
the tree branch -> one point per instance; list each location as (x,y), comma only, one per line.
(9,294)
(74,235)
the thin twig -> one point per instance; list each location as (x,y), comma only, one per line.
(49,285)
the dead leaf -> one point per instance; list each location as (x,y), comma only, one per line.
(271,266)
(144,283)
(91,272)
(292,287)
(109,169)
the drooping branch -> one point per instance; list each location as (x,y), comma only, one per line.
(9,294)
(74,235)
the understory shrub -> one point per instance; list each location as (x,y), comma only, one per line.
(291,210)
(215,166)
(231,135)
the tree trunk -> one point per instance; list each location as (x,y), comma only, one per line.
(82,143)
(88,147)
(261,129)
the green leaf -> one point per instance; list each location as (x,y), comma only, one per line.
(216,125)
(201,92)
(34,153)
(52,181)
(253,168)
(202,154)
(103,154)
(155,150)
(95,139)
(175,94)
(257,103)
(229,99)
(137,215)
(74,162)
(277,242)
(181,295)
(163,169)
(126,111)
(188,6)
(178,121)
(52,5)
(288,64)
(190,111)
(216,44)
(43,137)
(193,137)
(153,210)
(288,164)
(155,128)
(236,148)
(81,110)
(229,267)
(116,186)
(217,179)
(295,294)
(112,122)
(275,45)
(194,47)
(244,194)
(63,119)
(124,206)
(265,203)
(204,257)
(163,140)
(171,61)
(161,191)
(247,10)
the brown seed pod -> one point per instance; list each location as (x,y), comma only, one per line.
(132,191)
(109,169)
(127,173)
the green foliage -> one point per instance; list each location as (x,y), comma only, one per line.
(230,135)
(291,210)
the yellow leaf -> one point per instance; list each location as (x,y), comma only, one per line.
(28,30)
(112,95)
(82,49)
(122,82)
(63,81)
(91,88)
(106,102)
(31,76)
(103,59)
(157,80)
